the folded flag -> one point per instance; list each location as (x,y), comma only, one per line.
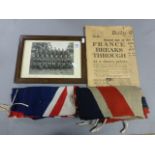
(40,102)
(112,103)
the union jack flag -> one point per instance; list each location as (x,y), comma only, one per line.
(114,103)
(40,102)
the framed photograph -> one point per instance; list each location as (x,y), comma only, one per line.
(51,59)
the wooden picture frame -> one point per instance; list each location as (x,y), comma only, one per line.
(51,59)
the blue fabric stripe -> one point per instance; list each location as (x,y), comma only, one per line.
(37,98)
(87,105)
(144,102)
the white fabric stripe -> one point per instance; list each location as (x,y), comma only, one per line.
(69,105)
(15,95)
(101,102)
(53,102)
(133,97)
(26,105)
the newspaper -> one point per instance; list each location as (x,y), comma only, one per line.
(111,58)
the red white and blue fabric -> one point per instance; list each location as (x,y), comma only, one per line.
(40,102)
(112,103)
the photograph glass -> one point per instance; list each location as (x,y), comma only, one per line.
(51,59)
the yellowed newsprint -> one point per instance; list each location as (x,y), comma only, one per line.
(111,58)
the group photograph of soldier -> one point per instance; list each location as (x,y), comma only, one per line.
(47,59)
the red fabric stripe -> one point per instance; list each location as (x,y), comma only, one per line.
(19,115)
(115,101)
(110,120)
(146,112)
(16,114)
(59,103)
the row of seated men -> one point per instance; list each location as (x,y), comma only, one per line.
(52,64)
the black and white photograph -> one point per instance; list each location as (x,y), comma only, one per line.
(54,57)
